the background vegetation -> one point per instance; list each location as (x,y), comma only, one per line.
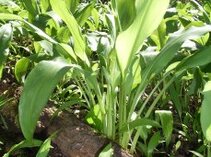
(140,69)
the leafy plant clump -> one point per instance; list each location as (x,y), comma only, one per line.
(141,69)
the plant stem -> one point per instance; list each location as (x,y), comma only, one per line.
(209,150)
(122,113)
(137,134)
(158,97)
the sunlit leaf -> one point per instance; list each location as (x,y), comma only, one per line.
(37,88)
(44,5)
(21,68)
(31,6)
(154,141)
(7,16)
(107,151)
(200,58)
(79,43)
(206,111)
(126,15)
(171,47)
(45,148)
(5,38)
(140,122)
(166,118)
(83,14)
(130,41)
(23,144)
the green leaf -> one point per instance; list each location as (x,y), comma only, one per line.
(45,148)
(66,51)
(39,32)
(139,122)
(196,153)
(94,117)
(9,3)
(168,52)
(72,4)
(159,36)
(5,38)
(130,41)
(44,5)
(37,88)
(23,144)
(166,118)
(21,68)
(154,141)
(206,111)
(107,151)
(200,58)
(175,98)
(83,15)
(31,6)
(79,44)
(30,26)
(7,16)
(126,15)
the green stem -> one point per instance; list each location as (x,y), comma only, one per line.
(150,95)
(137,134)
(79,83)
(122,113)
(209,150)
(158,97)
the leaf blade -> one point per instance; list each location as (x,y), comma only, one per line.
(130,41)
(206,111)
(36,91)
(79,44)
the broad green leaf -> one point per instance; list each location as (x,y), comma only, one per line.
(9,3)
(159,36)
(30,26)
(83,14)
(206,111)
(5,38)
(200,58)
(139,122)
(7,16)
(94,117)
(72,4)
(45,148)
(66,51)
(44,5)
(154,141)
(107,151)
(175,98)
(23,144)
(31,6)
(63,35)
(37,88)
(126,15)
(168,52)
(39,32)
(79,43)
(21,68)
(147,56)
(130,41)
(166,118)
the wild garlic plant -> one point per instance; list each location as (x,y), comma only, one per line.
(113,84)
